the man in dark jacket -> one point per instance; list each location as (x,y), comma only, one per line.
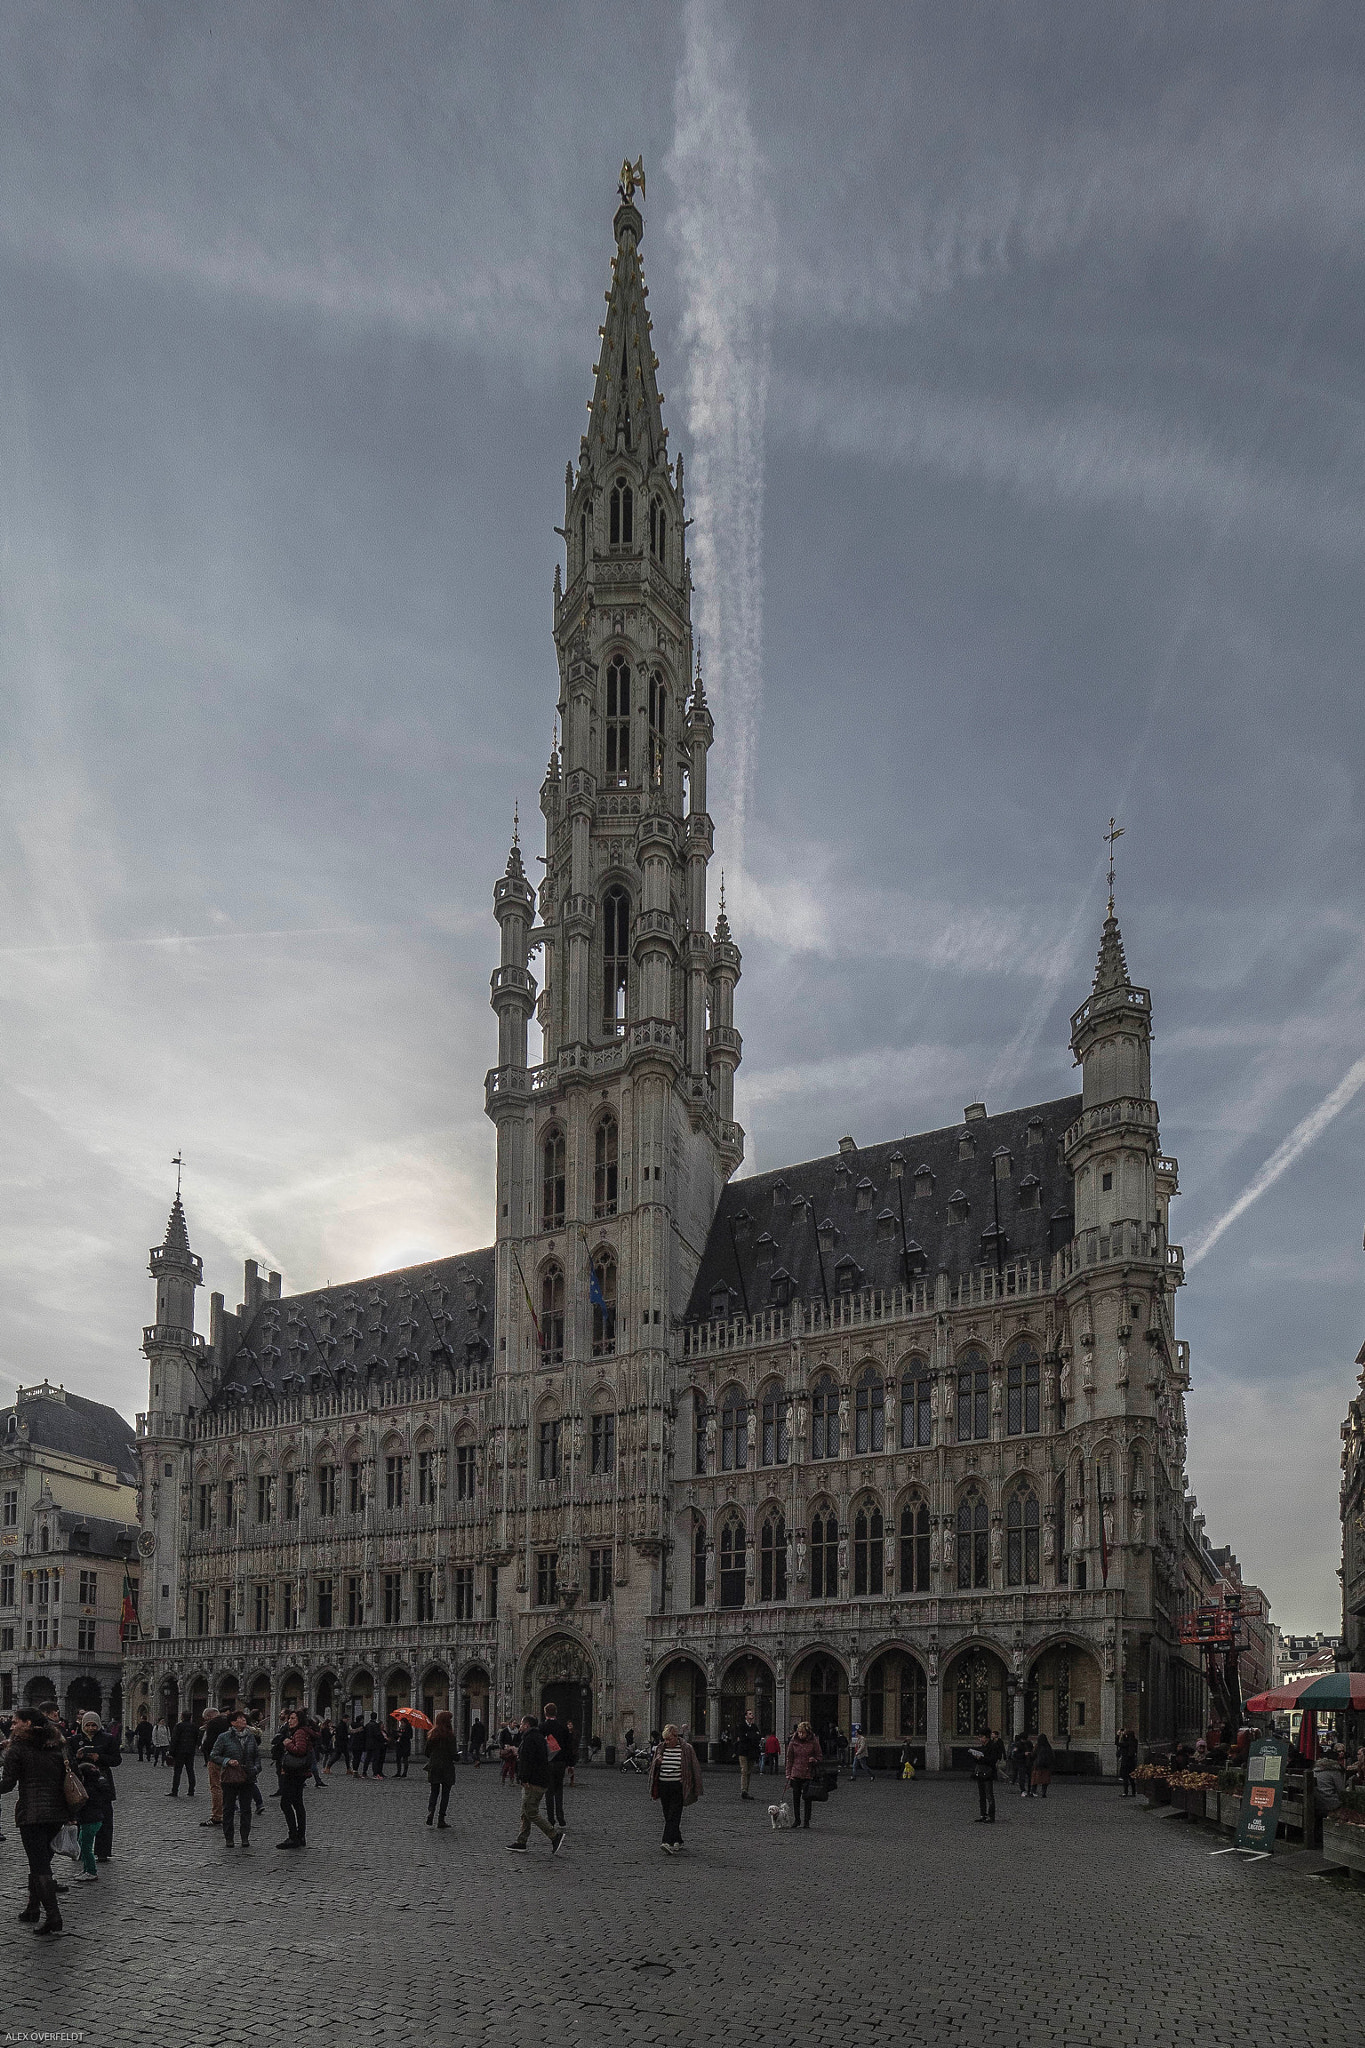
(749,1743)
(985,1757)
(533,1776)
(105,1743)
(184,1745)
(215,1724)
(36,1762)
(562,1751)
(376,1746)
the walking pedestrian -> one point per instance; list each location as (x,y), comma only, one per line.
(327,1740)
(237,1753)
(98,1781)
(985,1757)
(1021,1761)
(294,1745)
(749,1743)
(804,1758)
(533,1776)
(442,1751)
(161,1741)
(772,1754)
(478,1736)
(557,1744)
(1128,1755)
(860,1756)
(402,1749)
(675,1781)
(184,1743)
(215,1724)
(507,1751)
(375,1747)
(573,1752)
(35,1761)
(144,1736)
(105,1743)
(1042,1767)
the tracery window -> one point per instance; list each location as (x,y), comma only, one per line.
(552,1180)
(621,514)
(604,1305)
(732,1554)
(618,723)
(604,1442)
(547,1463)
(658,720)
(615,958)
(869,1551)
(824,1556)
(606,1147)
(772,1558)
(824,1419)
(699,1565)
(1022,1401)
(552,1315)
(734,1431)
(658,528)
(973,1691)
(915,1547)
(916,1405)
(1021,1540)
(973,1543)
(869,1415)
(775,1447)
(973,1396)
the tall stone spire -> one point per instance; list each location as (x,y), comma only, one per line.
(1111,969)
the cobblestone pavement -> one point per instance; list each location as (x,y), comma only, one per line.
(895,1921)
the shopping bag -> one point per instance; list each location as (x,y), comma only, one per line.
(907,1771)
(67,1840)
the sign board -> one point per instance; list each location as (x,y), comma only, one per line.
(1266,1764)
(1207,1625)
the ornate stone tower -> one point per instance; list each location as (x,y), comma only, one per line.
(613,1151)
(172,1348)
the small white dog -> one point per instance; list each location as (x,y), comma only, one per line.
(780,1816)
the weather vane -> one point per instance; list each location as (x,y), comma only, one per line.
(516,824)
(1114,832)
(632,174)
(177,1163)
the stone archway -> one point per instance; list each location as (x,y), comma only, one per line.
(681,1696)
(199,1699)
(397,1693)
(975,1700)
(293,1692)
(82,1697)
(819,1694)
(1062,1697)
(560,1668)
(40,1692)
(475,1688)
(746,1687)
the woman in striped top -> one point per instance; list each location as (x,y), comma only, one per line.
(675,1781)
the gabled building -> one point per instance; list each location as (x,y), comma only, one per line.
(892,1437)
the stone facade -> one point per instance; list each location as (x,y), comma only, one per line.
(896,1438)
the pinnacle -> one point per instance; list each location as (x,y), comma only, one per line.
(722,921)
(625,405)
(1111,969)
(177,1238)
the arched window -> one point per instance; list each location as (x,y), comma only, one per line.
(615,958)
(1062,1535)
(658,727)
(824,1419)
(914,1547)
(603,1296)
(604,1442)
(917,1415)
(547,1448)
(552,1315)
(973,1396)
(775,1447)
(1021,1540)
(772,1558)
(973,1689)
(824,1556)
(734,1431)
(658,528)
(552,1181)
(1021,1415)
(869,1414)
(699,1430)
(869,1551)
(618,722)
(605,1148)
(973,1543)
(621,514)
(732,1564)
(699,1565)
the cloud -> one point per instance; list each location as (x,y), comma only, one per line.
(722,227)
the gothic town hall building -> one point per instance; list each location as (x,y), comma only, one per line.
(891,1438)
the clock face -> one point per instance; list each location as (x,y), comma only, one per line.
(146,1543)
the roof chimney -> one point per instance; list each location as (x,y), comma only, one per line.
(974,1113)
(847,1145)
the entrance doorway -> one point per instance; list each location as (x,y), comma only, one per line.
(572,1703)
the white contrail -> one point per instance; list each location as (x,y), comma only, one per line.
(1294,1146)
(724,229)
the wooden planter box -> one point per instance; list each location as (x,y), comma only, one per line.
(1342,1843)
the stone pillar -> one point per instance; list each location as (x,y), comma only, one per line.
(1109,1724)
(713,1723)
(934,1759)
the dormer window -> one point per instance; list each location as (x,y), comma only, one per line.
(781,1194)
(1033,1131)
(766,1248)
(886,1225)
(865,1193)
(924,1181)
(720,1304)
(780,1288)
(842,1176)
(966,1145)
(826,1233)
(1030,1191)
(1002,1162)
(621,514)
(958,1206)
(896,1165)
(848,1275)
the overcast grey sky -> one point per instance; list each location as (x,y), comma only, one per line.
(1016,355)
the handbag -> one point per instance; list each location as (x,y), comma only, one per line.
(73,1791)
(819,1787)
(234,1771)
(67,1840)
(907,1770)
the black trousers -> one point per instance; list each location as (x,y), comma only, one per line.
(104,1841)
(237,1799)
(37,1837)
(440,1789)
(183,1764)
(291,1802)
(671,1800)
(985,1792)
(799,1788)
(554,1797)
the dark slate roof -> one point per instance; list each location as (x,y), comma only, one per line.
(386,1326)
(944,1234)
(76,1427)
(106,1538)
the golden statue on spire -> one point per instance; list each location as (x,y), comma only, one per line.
(632,174)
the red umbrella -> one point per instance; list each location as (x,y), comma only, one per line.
(1320,1692)
(414,1715)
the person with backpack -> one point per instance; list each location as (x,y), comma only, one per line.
(106,1745)
(94,1774)
(559,1743)
(237,1753)
(533,1776)
(184,1745)
(293,1751)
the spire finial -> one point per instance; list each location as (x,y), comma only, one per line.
(177,1163)
(632,174)
(516,823)
(1114,832)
